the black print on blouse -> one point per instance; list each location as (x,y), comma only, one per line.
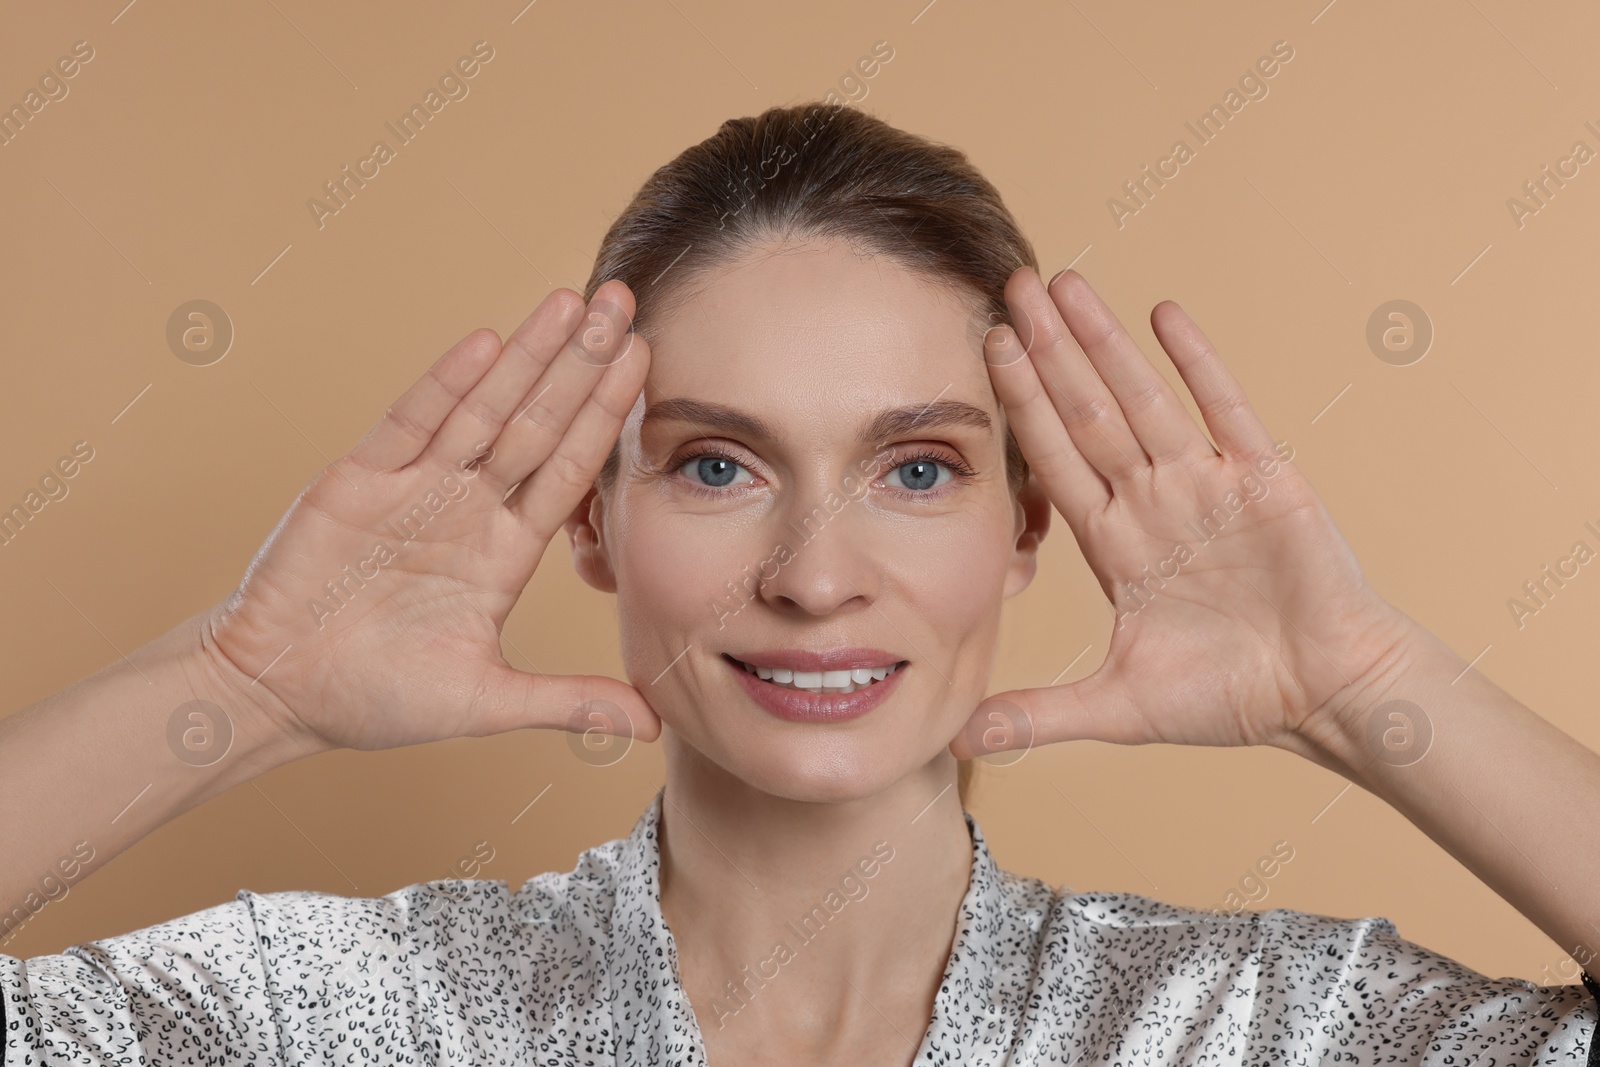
(580,968)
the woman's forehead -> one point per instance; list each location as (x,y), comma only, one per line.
(814,317)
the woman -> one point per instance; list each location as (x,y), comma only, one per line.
(818,499)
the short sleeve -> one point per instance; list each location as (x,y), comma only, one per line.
(190,990)
(1358,992)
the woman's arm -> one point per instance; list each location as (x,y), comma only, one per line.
(1243,618)
(87,771)
(1503,790)
(370,618)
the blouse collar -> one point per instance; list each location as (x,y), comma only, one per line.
(979,1005)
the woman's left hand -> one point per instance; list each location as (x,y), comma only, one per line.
(1240,608)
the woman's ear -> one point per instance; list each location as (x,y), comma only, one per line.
(585,532)
(1033,522)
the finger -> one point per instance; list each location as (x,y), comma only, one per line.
(410,423)
(1094,709)
(1069,480)
(1084,404)
(480,416)
(595,351)
(548,495)
(1233,422)
(510,699)
(1154,411)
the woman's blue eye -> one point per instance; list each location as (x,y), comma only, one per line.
(920,474)
(715,471)
(719,472)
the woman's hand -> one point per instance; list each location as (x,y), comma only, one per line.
(1240,609)
(371,616)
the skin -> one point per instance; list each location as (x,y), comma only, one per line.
(1269,635)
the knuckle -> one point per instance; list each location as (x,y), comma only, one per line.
(1055,458)
(1094,409)
(401,420)
(1144,397)
(480,409)
(1225,406)
(567,471)
(539,416)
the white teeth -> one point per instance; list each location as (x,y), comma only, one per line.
(833,682)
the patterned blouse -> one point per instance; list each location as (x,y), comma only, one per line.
(580,968)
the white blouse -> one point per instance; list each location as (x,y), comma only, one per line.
(580,968)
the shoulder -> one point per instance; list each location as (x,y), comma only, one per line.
(1282,952)
(1279,941)
(553,910)
(217,941)
(1130,924)
(1276,980)
(441,950)
(1123,917)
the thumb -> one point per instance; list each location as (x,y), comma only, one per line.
(579,703)
(1096,708)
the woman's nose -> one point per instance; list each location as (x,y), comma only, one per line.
(831,559)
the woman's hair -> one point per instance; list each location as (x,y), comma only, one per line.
(815,171)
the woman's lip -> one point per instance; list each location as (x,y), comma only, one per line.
(797,705)
(835,659)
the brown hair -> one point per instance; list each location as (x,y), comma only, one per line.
(816,170)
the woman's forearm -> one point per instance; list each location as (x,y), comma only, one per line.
(89,770)
(453,466)
(1507,793)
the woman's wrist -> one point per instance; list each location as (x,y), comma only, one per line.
(1376,716)
(268,731)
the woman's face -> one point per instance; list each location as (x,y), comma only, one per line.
(817,464)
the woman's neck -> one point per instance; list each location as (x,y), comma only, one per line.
(811,927)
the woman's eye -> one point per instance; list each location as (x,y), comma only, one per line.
(921,474)
(714,471)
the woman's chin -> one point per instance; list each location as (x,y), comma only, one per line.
(818,790)
(833,783)
(821,767)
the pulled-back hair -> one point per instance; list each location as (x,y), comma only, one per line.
(816,171)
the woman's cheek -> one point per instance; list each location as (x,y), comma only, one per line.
(673,580)
(954,570)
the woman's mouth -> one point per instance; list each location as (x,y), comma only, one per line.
(833,682)
(821,696)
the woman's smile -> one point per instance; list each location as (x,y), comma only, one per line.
(780,684)
(822,681)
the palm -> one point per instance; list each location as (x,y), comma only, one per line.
(441,600)
(372,614)
(1226,651)
(1228,633)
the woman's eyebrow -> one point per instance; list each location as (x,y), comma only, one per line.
(894,422)
(902,422)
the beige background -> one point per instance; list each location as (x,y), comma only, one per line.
(1378,167)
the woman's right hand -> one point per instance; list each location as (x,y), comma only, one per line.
(415,553)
